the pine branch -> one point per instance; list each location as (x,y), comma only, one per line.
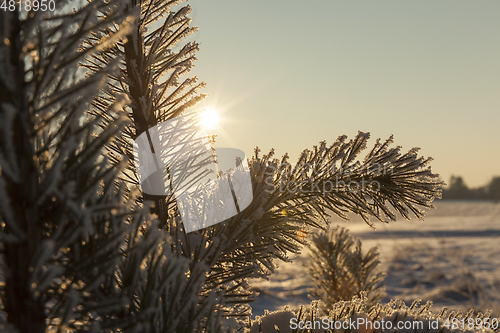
(332,179)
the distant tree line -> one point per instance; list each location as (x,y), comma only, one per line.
(457,189)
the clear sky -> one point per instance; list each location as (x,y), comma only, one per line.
(288,74)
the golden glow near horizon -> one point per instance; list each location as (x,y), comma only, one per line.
(209,119)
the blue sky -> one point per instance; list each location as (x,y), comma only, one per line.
(288,74)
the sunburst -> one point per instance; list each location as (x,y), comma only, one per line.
(209,119)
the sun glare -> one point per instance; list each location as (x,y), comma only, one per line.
(210,119)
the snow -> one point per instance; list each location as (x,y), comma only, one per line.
(452,258)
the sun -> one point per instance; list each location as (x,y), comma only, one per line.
(209,119)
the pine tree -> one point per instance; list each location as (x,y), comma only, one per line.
(246,245)
(80,249)
(77,252)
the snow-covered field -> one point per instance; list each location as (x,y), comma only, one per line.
(452,258)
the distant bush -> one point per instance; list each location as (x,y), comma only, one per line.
(458,190)
(340,271)
(494,189)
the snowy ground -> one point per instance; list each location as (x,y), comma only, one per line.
(452,258)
